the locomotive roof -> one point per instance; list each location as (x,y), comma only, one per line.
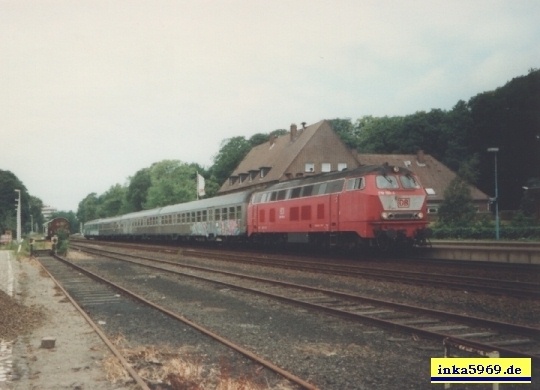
(384,169)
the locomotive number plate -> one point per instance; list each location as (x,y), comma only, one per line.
(403,202)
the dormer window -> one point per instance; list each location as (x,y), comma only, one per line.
(233,180)
(242,177)
(253,174)
(264,171)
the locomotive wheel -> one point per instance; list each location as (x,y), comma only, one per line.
(384,243)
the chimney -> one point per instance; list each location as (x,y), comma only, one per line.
(272,140)
(303,125)
(420,157)
(293,132)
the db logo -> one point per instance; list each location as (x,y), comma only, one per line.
(403,203)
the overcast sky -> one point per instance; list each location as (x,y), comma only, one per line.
(93,91)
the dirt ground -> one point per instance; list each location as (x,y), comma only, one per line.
(31,308)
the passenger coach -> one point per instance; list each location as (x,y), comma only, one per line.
(221,218)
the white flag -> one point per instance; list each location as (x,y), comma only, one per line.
(200,185)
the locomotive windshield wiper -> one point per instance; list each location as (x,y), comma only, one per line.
(388,179)
(411,178)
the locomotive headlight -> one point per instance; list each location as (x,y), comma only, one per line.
(384,215)
(420,215)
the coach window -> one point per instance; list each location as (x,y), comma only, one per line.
(217,214)
(204,216)
(273,196)
(193,217)
(224,215)
(387,182)
(231,213)
(281,194)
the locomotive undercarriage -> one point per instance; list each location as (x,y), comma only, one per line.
(388,239)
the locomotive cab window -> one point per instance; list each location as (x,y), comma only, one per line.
(295,193)
(281,194)
(387,182)
(356,183)
(408,181)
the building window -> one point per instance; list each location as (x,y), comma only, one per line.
(326,167)
(310,167)
(341,166)
(264,171)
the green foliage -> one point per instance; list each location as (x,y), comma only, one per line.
(137,190)
(457,208)
(172,182)
(231,153)
(88,208)
(8,202)
(36,205)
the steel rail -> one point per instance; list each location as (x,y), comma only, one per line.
(505,287)
(291,377)
(96,329)
(508,327)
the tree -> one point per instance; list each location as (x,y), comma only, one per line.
(111,202)
(88,208)
(457,208)
(8,204)
(172,182)
(137,190)
(231,153)
(36,205)
(346,131)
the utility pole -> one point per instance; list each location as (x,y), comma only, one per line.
(18,217)
(497,222)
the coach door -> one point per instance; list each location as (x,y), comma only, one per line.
(334,212)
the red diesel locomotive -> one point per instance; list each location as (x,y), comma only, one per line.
(370,205)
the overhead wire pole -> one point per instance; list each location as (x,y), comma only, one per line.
(18,217)
(497,222)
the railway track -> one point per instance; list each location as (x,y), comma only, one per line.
(514,288)
(93,293)
(509,339)
(469,283)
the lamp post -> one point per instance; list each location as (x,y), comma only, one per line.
(495,151)
(18,217)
